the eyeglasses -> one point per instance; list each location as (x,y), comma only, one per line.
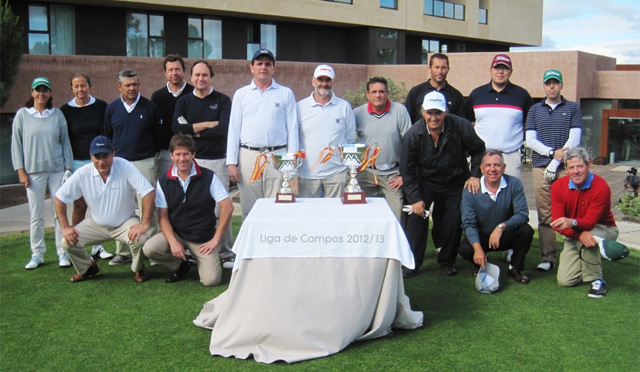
(42,89)
(101,156)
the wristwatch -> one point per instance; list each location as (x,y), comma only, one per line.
(502,226)
(551,152)
(574,223)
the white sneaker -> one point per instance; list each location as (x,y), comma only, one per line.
(63,260)
(507,255)
(545,266)
(227,263)
(33,263)
(98,251)
(438,250)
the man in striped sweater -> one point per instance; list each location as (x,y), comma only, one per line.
(554,125)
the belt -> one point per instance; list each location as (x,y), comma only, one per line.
(274,148)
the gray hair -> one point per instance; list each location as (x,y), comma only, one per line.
(576,152)
(491,152)
(127,73)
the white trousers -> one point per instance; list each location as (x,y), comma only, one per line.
(38,183)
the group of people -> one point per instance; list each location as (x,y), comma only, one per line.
(190,138)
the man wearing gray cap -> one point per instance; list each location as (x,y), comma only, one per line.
(323,118)
(554,125)
(109,185)
(263,118)
(434,169)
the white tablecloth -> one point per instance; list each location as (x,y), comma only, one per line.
(316,227)
(307,306)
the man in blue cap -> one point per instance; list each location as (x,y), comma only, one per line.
(109,185)
(263,118)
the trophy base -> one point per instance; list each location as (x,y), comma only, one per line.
(282,197)
(354,198)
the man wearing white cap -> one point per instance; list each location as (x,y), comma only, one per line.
(434,169)
(323,118)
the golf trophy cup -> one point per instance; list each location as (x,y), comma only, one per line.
(286,163)
(356,157)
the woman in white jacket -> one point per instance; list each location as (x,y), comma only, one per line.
(42,156)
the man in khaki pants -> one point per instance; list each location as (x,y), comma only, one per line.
(554,125)
(108,185)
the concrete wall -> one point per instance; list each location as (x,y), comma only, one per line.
(585,75)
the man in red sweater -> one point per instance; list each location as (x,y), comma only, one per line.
(581,211)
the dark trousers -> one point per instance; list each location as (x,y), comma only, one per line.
(446,200)
(518,239)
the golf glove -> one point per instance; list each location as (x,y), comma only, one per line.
(66,176)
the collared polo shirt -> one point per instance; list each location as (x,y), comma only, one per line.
(218,192)
(260,119)
(109,203)
(318,126)
(499,116)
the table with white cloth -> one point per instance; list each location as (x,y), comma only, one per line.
(311,277)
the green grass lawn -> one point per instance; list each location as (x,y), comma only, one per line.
(111,323)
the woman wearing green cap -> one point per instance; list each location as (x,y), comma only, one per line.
(42,156)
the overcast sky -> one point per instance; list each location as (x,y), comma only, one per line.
(606,27)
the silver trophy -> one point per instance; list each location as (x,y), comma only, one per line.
(287,163)
(355,156)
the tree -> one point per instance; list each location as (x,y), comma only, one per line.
(11,49)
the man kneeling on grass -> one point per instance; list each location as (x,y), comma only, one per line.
(186,198)
(581,211)
(108,185)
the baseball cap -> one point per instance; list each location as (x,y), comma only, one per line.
(40,81)
(101,145)
(324,70)
(552,74)
(434,100)
(487,280)
(611,249)
(263,52)
(501,59)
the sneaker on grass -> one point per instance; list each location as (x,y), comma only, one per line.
(33,263)
(98,251)
(119,260)
(63,260)
(545,266)
(598,289)
(227,263)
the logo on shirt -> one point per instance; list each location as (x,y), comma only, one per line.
(277,104)
(140,116)
(213,107)
(182,120)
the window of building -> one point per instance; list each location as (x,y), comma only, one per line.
(390,4)
(205,38)
(482,16)
(52,29)
(429,46)
(387,56)
(261,35)
(145,35)
(445,9)
(385,33)
(341,1)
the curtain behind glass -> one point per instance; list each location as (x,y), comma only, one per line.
(137,35)
(63,29)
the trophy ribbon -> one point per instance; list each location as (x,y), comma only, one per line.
(323,158)
(261,163)
(370,162)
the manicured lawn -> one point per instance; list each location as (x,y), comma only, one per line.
(111,323)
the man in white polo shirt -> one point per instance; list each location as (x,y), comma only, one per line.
(263,118)
(323,118)
(109,186)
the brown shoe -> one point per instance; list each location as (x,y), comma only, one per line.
(91,271)
(518,276)
(141,275)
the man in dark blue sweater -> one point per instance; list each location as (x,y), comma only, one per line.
(496,218)
(133,123)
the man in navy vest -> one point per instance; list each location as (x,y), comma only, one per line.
(186,198)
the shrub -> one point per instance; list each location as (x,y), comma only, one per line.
(11,49)
(629,205)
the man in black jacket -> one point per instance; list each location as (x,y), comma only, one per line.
(434,168)
(186,197)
